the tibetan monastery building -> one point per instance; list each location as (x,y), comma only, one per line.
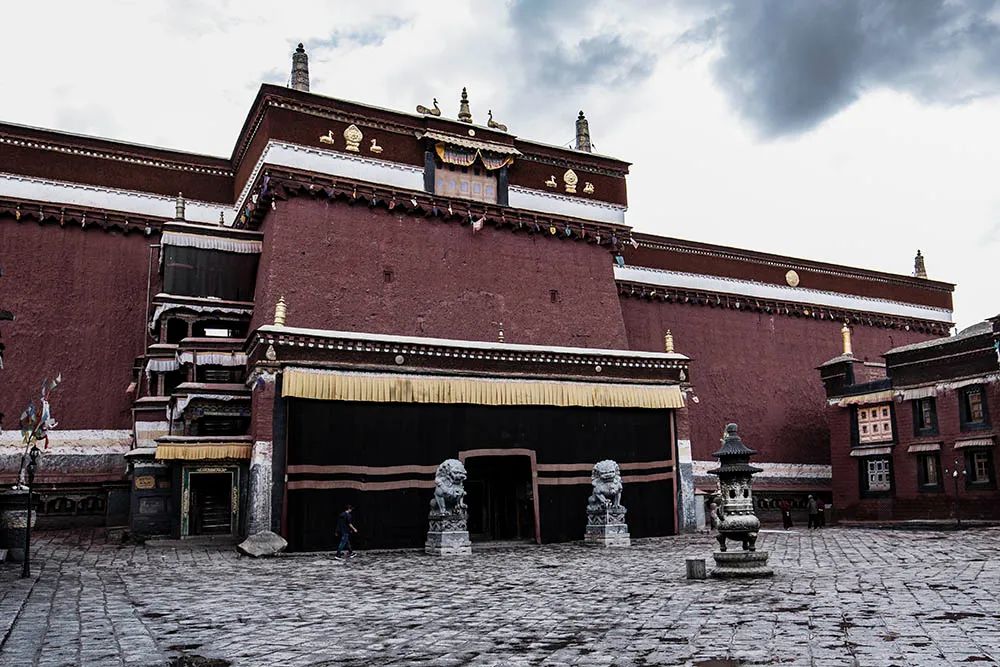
(356,294)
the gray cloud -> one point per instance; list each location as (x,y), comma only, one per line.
(561,52)
(787,65)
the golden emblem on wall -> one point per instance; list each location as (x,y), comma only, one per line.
(570,179)
(353,137)
(145,482)
(792,278)
(551,182)
(375,148)
(327,138)
(588,187)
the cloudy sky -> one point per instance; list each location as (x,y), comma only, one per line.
(852,132)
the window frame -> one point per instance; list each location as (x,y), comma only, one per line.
(864,477)
(923,485)
(919,429)
(970,462)
(857,422)
(965,418)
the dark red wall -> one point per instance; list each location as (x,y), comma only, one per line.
(906,501)
(79,296)
(755,369)
(328,261)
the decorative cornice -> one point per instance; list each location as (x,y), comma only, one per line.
(24,210)
(277,184)
(799,265)
(402,350)
(565,163)
(777,307)
(119,156)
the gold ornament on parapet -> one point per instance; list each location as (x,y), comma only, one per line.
(327,138)
(494,124)
(792,278)
(551,182)
(588,188)
(375,148)
(570,179)
(436,111)
(353,137)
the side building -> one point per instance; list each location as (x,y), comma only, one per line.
(914,438)
(753,324)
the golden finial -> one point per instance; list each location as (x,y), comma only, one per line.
(668,342)
(845,332)
(280,311)
(179,207)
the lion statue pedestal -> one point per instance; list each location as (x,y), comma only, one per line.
(448,533)
(606,525)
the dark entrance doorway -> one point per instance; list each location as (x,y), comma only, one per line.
(211,504)
(499,496)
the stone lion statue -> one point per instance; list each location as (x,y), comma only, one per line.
(606,478)
(449,489)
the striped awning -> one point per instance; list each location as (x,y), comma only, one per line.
(383,388)
(975,442)
(870,451)
(205,242)
(475,144)
(865,399)
(202,451)
(925,447)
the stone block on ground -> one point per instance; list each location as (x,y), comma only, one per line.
(448,543)
(607,535)
(262,544)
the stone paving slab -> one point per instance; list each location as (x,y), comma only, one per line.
(839,597)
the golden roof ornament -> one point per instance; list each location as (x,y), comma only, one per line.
(436,111)
(353,137)
(570,179)
(464,114)
(668,342)
(845,333)
(280,312)
(495,125)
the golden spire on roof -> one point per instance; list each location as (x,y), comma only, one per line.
(280,311)
(582,133)
(845,332)
(179,207)
(464,114)
(668,342)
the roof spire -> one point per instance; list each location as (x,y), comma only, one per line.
(668,342)
(300,70)
(582,133)
(179,207)
(845,333)
(280,312)
(919,270)
(464,114)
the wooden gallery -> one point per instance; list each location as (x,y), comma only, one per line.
(357,294)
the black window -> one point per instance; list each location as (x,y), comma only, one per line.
(925,417)
(972,408)
(929,472)
(198,272)
(979,473)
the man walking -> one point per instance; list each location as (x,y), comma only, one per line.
(344,529)
(813,513)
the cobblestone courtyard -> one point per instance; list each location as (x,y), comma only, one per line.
(841,597)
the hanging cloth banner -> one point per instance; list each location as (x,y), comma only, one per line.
(204,242)
(370,387)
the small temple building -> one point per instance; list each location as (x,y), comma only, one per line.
(356,294)
(913,437)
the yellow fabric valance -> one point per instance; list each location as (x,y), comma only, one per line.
(203,451)
(339,386)
(866,399)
